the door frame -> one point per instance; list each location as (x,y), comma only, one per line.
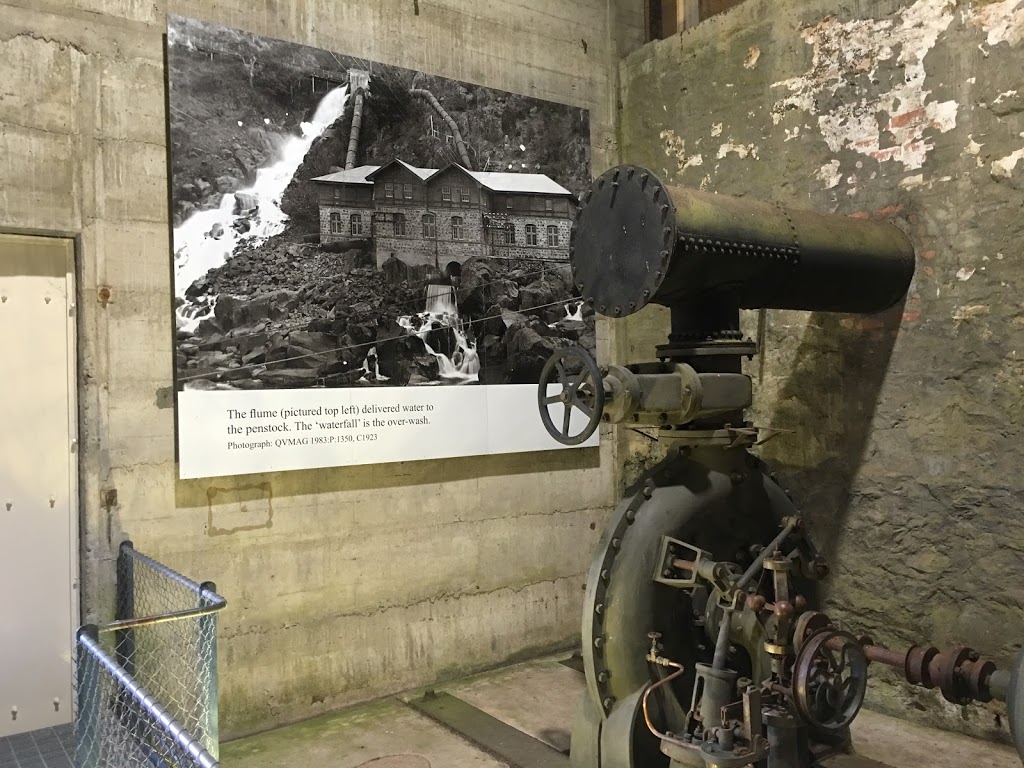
(74,355)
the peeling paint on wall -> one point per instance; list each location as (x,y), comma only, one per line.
(740,149)
(910,182)
(1003,168)
(1002,22)
(917,180)
(675,147)
(847,52)
(830,174)
(972,310)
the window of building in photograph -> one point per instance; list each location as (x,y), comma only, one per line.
(531,234)
(407,191)
(552,237)
(446,194)
(508,201)
(400,228)
(510,234)
(429,225)
(549,204)
(336,223)
(464,194)
(356,224)
(337,193)
(389,189)
(458,230)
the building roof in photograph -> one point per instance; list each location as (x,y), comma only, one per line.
(519,182)
(526,183)
(350,176)
(423,173)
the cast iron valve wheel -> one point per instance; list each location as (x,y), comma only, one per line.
(584,392)
(830,678)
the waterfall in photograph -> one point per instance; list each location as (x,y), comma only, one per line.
(440,317)
(207,239)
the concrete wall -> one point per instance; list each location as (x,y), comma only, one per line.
(907,444)
(342,584)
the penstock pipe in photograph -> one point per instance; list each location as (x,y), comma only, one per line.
(637,241)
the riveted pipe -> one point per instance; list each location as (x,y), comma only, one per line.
(638,241)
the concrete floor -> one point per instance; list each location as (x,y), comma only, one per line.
(539,698)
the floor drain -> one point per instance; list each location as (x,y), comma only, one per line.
(396,761)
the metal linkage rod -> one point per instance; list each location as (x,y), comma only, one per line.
(792,524)
(722,642)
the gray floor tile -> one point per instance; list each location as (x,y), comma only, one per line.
(45,748)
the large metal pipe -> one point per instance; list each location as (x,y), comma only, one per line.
(460,144)
(353,136)
(637,241)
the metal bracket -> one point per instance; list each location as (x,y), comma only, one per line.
(684,566)
(673,552)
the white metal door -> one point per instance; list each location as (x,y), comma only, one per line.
(38,482)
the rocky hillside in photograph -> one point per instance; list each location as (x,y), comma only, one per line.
(502,131)
(339,309)
(234,98)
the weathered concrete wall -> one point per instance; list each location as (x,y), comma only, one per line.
(907,449)
(343,584)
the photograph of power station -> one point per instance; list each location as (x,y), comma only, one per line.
(338,222)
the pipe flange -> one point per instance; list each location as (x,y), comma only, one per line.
(953,685)
(978,673)
(917,666)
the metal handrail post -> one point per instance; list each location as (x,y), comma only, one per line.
(124,639)
(208,652)
(87,753)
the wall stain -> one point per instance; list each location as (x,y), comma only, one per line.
(213,491)
(165,397)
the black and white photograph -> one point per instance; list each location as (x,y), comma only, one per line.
(344,223)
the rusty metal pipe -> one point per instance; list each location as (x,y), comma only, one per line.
(960,673)
(882,655)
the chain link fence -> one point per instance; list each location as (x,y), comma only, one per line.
(147,682)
